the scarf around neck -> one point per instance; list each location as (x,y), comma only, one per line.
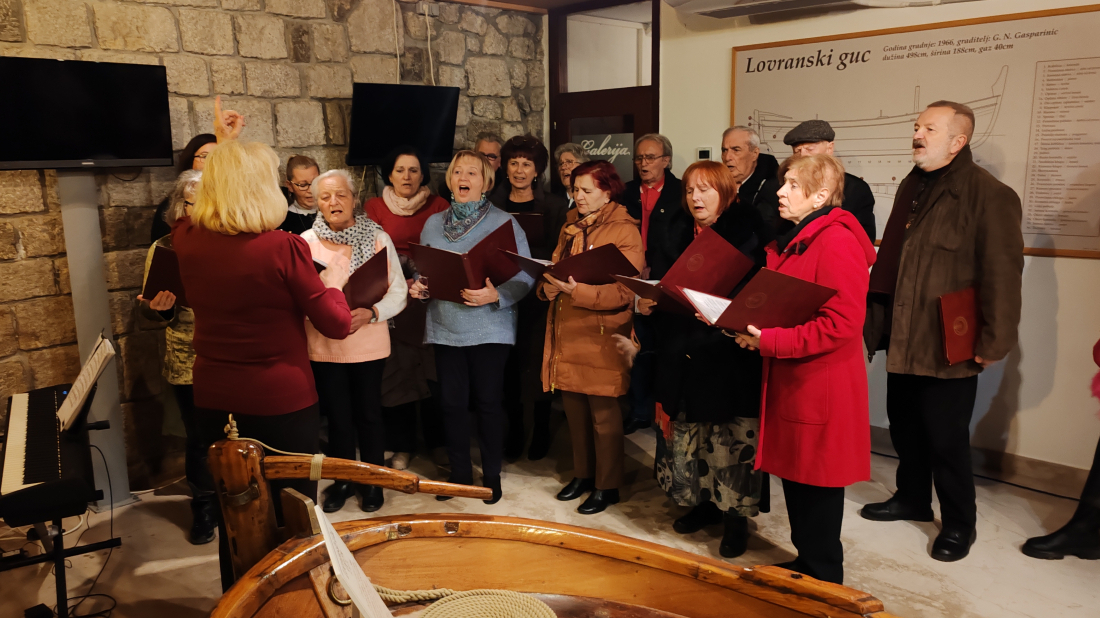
(360,236)
(576,233)
(405,207)
(461,218)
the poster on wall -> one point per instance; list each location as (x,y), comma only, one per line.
(616,148)
(1033,81)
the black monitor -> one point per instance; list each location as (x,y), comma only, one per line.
(66,114)
(385,116)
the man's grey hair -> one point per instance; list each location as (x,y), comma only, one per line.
(188,182)
(336,173)
(577,150)
(666,146)
(488,137)
(754,137)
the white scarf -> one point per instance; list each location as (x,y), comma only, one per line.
(405,207)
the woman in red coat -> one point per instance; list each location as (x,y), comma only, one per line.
(814,421)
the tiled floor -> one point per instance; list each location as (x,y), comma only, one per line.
(156,573)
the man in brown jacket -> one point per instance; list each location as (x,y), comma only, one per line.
(953,226)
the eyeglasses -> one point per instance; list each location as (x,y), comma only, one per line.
(490,156)
(565,164)
(188,204)
(302,185)
(648,158)
(202,156)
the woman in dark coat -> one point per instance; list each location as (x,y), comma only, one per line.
(708,386)
(523,159)
(192,157)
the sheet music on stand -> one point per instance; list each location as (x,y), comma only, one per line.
(364,597)
(89,375)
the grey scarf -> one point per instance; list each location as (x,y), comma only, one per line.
(360,237)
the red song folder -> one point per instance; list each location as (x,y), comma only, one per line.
(769,300)
(164,274)
(449,272)
(710,264)
(593,267)
(961,322)
(369,283)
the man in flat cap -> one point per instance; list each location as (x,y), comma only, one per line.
(816,137)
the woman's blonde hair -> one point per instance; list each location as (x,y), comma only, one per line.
(816,172)
(239,192)
(486,169)
(187,183)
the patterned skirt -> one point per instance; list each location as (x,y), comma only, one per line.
(711,462)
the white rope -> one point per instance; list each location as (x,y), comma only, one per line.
(231,433)
(396,44)
(489,604)
(431,61)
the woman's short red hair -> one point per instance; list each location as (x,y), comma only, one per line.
(604,175)
(714,175)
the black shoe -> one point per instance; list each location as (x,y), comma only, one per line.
(336,495)
(203,522)
(703,515)
(598,501)
(895,510)
(735,538)
(370,498)
(575,489)
(540,436)
(634,424)
(443,498)
(516,440)
(952,545)
(493,484)
(1077,538)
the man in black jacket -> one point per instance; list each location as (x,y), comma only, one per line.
(816,137)
(757,173)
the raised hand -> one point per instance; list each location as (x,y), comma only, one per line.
(228,124)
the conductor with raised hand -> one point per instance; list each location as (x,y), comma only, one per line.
(251,289)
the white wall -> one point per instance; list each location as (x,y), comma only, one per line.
(605,53)
(1037,402)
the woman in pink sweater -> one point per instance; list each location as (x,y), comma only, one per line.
(348,371)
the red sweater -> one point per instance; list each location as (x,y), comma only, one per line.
(403,230)
(251,294)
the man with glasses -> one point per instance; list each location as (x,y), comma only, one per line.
(653,198)
(300,172)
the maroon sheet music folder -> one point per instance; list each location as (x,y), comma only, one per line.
(164,274)
(449,272)
(768,300)
(710,264)
(961,322)
(369,283)
(594,267)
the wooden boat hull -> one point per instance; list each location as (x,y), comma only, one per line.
(464,552)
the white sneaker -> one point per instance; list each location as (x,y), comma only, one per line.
(400,461)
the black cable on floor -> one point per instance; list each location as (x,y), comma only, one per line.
(106,612)
(1002,481)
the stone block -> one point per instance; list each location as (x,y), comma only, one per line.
(162,181)
(181,122)
(449,13)
(187,74)
(300,48)
(480,125)
(125,269)
(49,53)
(139,223)
(227,76)
(414,65)
(536,74)
(538,99)
(114,228)
(129,191)
(377,69)
(11,20)
(57,22)
(61,266)
(487,108)
(521,47)
(45,322)
(123,308)
(508,130)
(242,5)
(13,379)
(41,235)
(514,25)
(9,238)
(519,75)
(206,32)
(473,43)
(260,36)
(335,122)
(53,366)
(182,2)
(452,76)
(328,157)
(260,128)
(534,124)
(340,9)
(20,191)
(272,79)
(371,25)
(511,111)
(98,55)
(135,28)
(330,43)
(297,8)
(141,365)
(488,77)
(472,21)
(26,279)
(53,203)
(463,110)
(9,341)
(329,82)
(417,28)
(494,43)
(300,123)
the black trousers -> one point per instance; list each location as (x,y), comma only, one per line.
(350,395)
(524,366)
(1089,508)
(816,514)
(471,379)
(401,422)
(296,432)
(195,469)
(930,429)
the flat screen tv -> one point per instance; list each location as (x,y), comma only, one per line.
(66,114)
(384,116)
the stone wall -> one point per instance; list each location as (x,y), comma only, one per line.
(288,65)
